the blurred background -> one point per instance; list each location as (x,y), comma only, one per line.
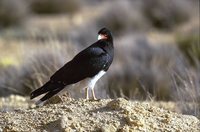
(157,46)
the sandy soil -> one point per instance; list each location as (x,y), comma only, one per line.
(106,115)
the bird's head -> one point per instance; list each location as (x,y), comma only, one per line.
(105,34)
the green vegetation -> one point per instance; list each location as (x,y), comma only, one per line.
(190,46)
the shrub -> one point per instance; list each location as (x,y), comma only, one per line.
(190,46)
(165,14)
(143,71)
(129,15)
(122,16)
(12,12)
(54,6)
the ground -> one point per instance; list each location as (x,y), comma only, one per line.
(107,115)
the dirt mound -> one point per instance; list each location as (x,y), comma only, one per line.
(104,115)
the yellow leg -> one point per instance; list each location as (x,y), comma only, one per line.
(86,93)
(93,94)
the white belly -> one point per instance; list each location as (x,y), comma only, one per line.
(93,80)
(77,90)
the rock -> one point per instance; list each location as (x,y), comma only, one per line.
(118,104)
(60,124)
(108,128)
(134,121)
(58,99)
(54,100)
(68,129)
(12,102)
(63,121)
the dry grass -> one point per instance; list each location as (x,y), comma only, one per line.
(34,66)
(146,66)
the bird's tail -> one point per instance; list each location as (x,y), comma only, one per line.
(47,87)
(48,95)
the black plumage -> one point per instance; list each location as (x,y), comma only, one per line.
(86,64)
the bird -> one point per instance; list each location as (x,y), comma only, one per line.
(91,63)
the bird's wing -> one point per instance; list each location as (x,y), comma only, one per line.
(85,64)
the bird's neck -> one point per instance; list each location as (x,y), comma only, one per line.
(110,39)
(107,45)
